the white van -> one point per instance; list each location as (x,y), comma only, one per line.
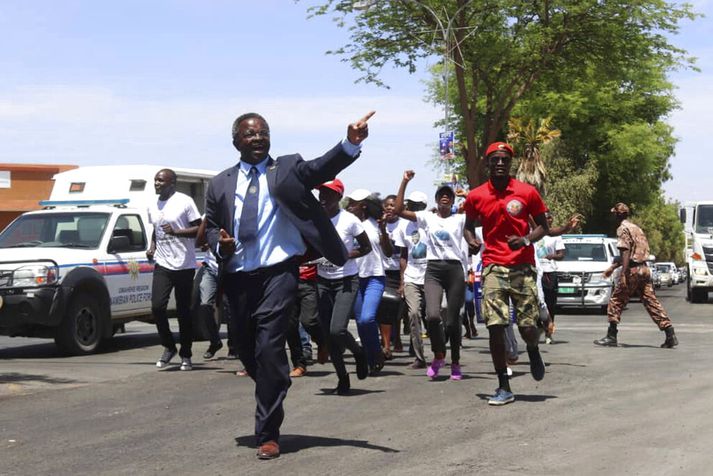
(581,280)
(77,269)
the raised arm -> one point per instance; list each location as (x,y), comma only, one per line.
(571,224)
(399,207)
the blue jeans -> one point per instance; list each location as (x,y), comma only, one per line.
(365,307)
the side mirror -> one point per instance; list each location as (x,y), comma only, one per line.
(682,215)
(118,244)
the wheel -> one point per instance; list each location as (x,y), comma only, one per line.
(80,331)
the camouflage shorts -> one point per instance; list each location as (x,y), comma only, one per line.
(502,284)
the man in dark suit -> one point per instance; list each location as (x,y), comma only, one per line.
(261,216)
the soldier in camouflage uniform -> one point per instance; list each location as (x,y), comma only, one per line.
(635,280)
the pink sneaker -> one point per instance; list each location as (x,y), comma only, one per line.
(455,372)
(435,366)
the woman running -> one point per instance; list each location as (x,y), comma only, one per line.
(444,272)
(338,285)
(367,208)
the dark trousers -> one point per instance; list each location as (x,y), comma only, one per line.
(336,301)
(305,311)
(550,282)
(260,306)
(208,300)
(444,276)
(164,281)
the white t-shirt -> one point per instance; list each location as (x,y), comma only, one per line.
(547,246)
(409,236)
(393,262)
(178,211)
(444,235)
(372,264)
(348,227)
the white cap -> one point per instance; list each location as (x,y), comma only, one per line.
(419,197)
(359,194)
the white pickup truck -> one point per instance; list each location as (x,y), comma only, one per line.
(76,270)
(697,219)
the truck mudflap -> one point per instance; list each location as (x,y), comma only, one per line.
(23,310)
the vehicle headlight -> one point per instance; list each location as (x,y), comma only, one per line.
(700,271)
(35,275)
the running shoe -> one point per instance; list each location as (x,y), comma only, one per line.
(501,397)
(435,366)
(166,357)
(548,340)
(186,364)
(455,372)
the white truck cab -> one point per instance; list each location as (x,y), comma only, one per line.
(697,219)
(77,269)
(580,273)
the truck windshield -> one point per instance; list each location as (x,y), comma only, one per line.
(62,230)
(584,252)
(704,219)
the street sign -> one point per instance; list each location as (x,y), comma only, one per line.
(447,145)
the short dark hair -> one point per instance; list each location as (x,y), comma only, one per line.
(170,172)
(245,117)
(390,197)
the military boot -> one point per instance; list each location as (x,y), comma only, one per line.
(671,339)
(608,340)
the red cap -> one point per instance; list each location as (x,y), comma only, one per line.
(335,185)
(496,146)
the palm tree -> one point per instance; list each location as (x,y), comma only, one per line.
(528,137)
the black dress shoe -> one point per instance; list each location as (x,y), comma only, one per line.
(268,450)
(344,386)
(212,349)
(362,366)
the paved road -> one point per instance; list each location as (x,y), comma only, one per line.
(635,409)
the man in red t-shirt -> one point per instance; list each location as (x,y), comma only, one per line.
(502,205)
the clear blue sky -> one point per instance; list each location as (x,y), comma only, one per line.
(160,82)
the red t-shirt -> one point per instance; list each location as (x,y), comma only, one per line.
(502,214)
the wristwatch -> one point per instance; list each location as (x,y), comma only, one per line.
(526,240)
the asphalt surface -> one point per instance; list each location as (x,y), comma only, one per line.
(634,409)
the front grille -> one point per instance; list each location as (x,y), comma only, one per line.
(568,278)
(5,278)
(708,253)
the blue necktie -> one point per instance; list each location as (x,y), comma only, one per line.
(248,217)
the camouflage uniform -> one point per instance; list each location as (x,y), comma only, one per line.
(502,283)
(638,279)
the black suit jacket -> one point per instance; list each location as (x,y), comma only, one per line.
(290,182)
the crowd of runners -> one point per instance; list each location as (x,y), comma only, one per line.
(291,268)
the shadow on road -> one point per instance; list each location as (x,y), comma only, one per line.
(294,443)
(352,392)
(14,377)
(522,397)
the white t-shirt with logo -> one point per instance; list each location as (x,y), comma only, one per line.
(372,263)
(172,252)
(409,236)
(348,227)
(548,245)
(444,235)
(392,263)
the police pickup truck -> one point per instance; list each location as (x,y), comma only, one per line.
(74,271)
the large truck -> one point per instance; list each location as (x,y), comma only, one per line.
(697,219)
(77,270)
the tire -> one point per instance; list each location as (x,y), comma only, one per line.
(80,331)
(699,295)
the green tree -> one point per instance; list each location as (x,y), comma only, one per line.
(664,231)
(500,50)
